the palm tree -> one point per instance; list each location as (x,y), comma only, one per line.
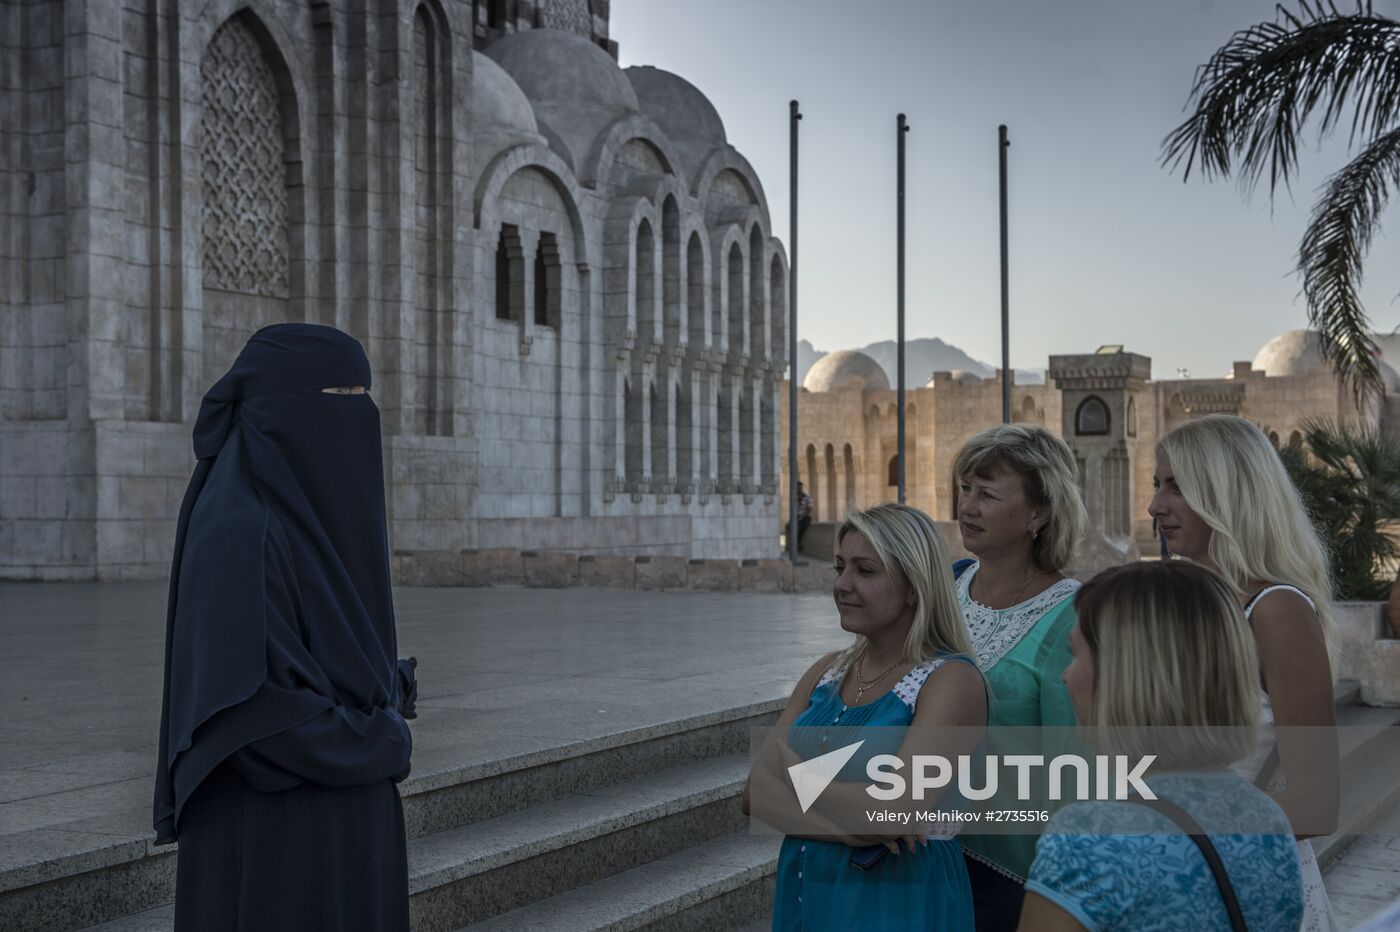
(1349,479)
(1251,102)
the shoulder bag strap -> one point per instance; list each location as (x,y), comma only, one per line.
(1198,835)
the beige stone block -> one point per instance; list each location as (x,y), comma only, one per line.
(809,576)
(497,566)
(549,570)
(1381,684)
(607,572)
(426,568)
(765,575)
(713,575)
(662,572)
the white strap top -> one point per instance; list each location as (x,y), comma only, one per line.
(1249,606)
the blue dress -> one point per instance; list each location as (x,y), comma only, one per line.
(817,888)
(1120,865)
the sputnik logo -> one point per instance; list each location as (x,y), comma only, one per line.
(811,777)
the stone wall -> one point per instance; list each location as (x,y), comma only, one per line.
(176,175)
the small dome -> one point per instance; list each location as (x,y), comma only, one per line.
(686,115)
(1390,377)
(1294,352)
(845,370)
(962,375)
(501,113)
(576,89)
(1389,345)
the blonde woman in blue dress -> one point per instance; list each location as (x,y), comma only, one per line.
(1223,499)
(909,665)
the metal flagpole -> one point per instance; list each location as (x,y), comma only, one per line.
(793,116)
(1002,145)
(901,127)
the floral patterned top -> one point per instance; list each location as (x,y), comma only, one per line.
(1120,865)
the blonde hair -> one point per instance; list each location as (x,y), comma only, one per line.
(907,540)
(1232,477)
(1048,471)
(1171,647)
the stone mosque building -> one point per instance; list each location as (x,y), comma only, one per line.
(1104,403)
(564,275)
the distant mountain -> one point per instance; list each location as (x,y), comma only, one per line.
(922,358)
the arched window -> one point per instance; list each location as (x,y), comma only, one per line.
(1028,408)
(547,281)
(510,274)
(1295,439)
(1273,438)
(1130,419)
(1092,417)
(892,478)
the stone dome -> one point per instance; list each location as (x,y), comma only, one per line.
(501,113)
(845,370)
(1293,352)
(575,87)
(686,115)
(1389,345)
(1390,377)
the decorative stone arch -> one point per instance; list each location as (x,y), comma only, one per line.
(661,473)
(848,458)
(627,216)
(1130,418)
(503,167)
(674,293)
(778,301)
(759,309)
(874,413)
(728,158)
(697,249)
(722,242)
(1092,418)
(235,299)
(602,155)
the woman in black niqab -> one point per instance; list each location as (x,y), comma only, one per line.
(282,732)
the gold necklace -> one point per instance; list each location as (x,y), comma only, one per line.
(1016,597)
(862,684)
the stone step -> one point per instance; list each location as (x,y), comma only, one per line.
(1370,760)
(472,873)
(99,869)
(487,868)
(722,883)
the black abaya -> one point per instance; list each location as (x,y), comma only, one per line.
(283,731)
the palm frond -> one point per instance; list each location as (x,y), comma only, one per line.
(1254,96)
(1338,236)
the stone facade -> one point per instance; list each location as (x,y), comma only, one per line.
(1104,403)
(564,275)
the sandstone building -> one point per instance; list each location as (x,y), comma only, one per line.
(565,277)
(1104,403)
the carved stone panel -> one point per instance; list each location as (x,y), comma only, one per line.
(569,15)
(244,179)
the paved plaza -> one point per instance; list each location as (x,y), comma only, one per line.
(503,673)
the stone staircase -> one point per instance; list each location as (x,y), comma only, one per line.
(637,830)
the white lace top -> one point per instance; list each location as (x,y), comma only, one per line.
(996,630)
(907,689)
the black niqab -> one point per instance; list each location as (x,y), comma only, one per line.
(289,486)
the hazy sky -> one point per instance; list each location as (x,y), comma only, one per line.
(1106,246)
